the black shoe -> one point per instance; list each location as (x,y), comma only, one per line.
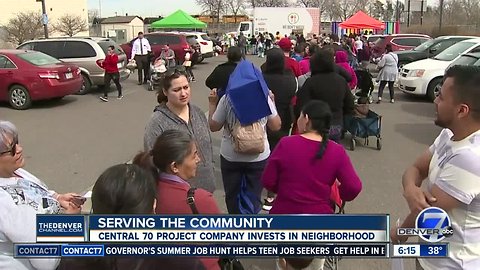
(139,83)
(104,99)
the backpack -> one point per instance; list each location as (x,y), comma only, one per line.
(248,139)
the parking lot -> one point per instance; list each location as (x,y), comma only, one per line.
(68,143)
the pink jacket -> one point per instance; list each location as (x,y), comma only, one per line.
(341,58)
(304,65)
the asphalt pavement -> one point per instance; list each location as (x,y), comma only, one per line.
(69,143)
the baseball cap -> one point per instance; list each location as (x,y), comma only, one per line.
(285,44)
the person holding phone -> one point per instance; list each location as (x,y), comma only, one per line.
(22,197)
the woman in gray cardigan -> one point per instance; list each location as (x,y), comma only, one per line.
(388,72)
(176,112)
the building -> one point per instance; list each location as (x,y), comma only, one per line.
(147,22)
(55,9)
(122,28)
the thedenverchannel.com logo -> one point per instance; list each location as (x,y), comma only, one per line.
(432,225)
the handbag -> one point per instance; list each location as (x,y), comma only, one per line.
(224,263)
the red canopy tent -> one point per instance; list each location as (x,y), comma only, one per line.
(362,21)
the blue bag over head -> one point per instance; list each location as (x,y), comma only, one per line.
(248,93)
(248,202)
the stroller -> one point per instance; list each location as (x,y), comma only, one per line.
(364,128)
(365,84)
(157,74)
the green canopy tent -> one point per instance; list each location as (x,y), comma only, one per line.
(177,20)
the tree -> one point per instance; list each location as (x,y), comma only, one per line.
(24,26)
(213,8)
(344,9)
(236,7)
(269,3)
(92,16)
(70,25)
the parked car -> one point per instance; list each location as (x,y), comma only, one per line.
(176,41)
(425,77)
(428,49)
(399,42)
(206,44)
(469,59)
(27,76)
(87,53)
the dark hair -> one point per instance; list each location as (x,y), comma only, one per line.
(275,63)
(322,62)
(362,100)
(299,263)
(171,146)
(166,84)
(124,189)
(300,47)
(320,117)
(388,48)
(312,49)
(234,54)
(140,33)
(466,81)
(111,47)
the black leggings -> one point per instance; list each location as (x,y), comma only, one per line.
(382,86)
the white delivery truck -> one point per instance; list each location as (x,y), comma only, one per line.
(286,20)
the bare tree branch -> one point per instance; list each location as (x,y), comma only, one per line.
(236,6)
(213,8)
(70,25)
(24,26)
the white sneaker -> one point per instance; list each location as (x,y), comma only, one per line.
(120,97)
(392,100)
(104,99)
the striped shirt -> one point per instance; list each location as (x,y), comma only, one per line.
(455,168)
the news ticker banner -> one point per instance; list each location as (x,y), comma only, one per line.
(420,250)
(214,229)
(379,250)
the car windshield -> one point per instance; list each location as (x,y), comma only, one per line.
(105,44)
(454,51)
(467,60)
(424,46)
(38,58)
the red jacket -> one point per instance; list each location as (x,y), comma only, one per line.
(110,63)
(291,64)
(172,199)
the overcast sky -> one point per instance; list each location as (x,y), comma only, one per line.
(144,8)
(153,8)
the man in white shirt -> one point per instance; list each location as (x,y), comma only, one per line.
(452,168)
(140,50)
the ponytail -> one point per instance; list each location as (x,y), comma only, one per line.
(144,160)
(323,144)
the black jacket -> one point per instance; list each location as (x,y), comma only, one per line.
(220,75)
(331,88)
(283,87)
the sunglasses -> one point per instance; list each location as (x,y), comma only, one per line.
(177,70)
(13,148)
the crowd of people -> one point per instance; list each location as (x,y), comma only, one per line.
(299,160)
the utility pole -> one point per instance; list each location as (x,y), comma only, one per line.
(408,14)
(421,14)
(100,8)
(441,18)
(44,18)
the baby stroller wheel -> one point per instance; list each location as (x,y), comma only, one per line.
(379,144)
(353,143)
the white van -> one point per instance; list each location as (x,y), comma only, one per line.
(425,77)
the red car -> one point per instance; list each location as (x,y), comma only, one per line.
(179,43)
(26,76)
(399,42)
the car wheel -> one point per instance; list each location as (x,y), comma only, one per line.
(434,88)
(19,98)
(86,85)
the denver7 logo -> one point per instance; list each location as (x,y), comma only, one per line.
(434,224)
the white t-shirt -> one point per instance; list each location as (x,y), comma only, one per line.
(455,169)
(21,199)
(225,115)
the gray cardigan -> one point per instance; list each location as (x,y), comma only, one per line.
(163,119)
